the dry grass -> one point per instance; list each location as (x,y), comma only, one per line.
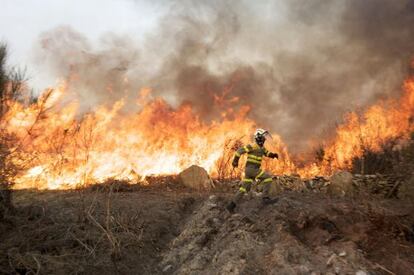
(90,230)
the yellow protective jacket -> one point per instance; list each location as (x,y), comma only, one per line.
(255,155)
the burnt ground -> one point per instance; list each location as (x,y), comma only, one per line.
(168,229)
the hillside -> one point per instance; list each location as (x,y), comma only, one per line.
(168,229)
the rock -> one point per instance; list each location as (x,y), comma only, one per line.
(213,198)
(196,177)
(341,184)
(303,269)
(167,268)
(282,183)
(342,254)
(406,190)
(330,260)
(275,188)
(316,184)
(211,206)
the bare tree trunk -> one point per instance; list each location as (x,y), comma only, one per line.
(5,200)
(11,87)
(362,165)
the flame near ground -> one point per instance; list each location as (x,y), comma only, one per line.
(59,149)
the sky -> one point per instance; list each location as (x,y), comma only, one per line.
(22,21)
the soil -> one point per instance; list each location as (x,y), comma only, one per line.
(168,229)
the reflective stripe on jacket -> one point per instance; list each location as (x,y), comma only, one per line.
(255,154)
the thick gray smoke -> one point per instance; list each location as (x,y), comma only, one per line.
(300,64)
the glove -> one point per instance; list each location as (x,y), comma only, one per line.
(273,155)
(235,162)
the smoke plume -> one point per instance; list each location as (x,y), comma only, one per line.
(299,64)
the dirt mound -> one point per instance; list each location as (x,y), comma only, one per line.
(301,234)
(169,229)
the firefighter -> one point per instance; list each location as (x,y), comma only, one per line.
(253,172)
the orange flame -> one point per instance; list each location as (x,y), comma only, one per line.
(61,150)
(387,120)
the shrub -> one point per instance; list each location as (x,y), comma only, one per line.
(11,89)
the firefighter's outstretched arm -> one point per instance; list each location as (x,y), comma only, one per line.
(238,154)
(271,155)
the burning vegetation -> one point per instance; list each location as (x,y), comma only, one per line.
(125,109)
(59,147)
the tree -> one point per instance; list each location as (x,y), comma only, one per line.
(11,89)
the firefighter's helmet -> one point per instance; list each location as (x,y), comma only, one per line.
(260,136)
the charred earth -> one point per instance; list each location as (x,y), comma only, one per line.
(166,228)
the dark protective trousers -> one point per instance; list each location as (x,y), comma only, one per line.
(252,174)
